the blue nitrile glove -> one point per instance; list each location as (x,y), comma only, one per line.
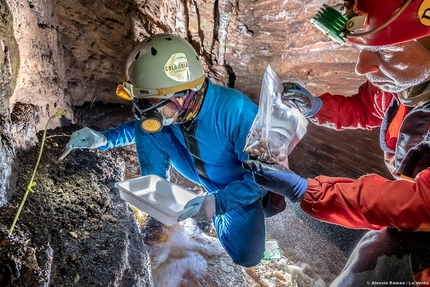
(203,208)
(86,138)
(307,104)
(277,179)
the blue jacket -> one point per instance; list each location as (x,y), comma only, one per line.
(224,121)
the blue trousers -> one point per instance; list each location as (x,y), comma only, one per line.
(241,231)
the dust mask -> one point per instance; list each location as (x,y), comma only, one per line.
(167,121)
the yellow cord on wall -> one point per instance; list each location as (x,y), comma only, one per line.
(32,183)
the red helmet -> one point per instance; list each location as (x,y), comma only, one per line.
(375,22)
(412,23)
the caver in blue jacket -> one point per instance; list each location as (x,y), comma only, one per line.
(220,131)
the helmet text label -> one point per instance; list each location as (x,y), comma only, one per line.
(177,68)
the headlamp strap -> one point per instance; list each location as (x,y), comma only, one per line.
(183,87)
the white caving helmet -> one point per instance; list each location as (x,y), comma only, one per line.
(158,68)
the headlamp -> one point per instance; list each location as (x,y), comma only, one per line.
(339,22)
(123,92)
(331,22)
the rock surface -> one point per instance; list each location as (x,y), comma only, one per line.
(75,52)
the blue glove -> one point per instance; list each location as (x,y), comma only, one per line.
(204,208)
(277,179)
(86,138)
(307,104)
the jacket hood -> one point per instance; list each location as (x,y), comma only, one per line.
(415,96)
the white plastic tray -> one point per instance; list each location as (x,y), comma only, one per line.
(156,196)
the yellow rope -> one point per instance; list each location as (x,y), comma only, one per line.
(32,183)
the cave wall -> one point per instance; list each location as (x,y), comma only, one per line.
(41,73)
(72,52)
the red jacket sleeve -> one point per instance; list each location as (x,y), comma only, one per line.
(371,202)
(363,110)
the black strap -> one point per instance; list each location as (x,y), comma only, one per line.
(189,132)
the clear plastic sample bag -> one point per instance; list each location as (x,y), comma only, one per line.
(278,126)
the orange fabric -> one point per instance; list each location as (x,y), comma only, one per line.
(364,110)
(370,202)
(394,127)
(423,278)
